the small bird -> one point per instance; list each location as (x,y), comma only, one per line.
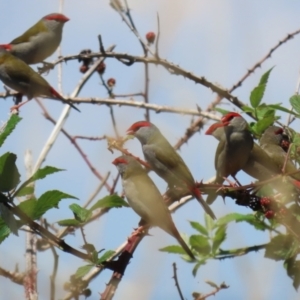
(17,75)
(166,162)
(259,165)
(233,150)
(39,41)
(270,142)
(145,199)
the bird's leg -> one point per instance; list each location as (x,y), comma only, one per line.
(46,67)
(19,102)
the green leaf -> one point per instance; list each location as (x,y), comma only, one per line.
(212,284)
(9,219)
(261,125)
(82,271)
(248,109)
(258,92)
(219,238)
(28,207)
(27,190)
(110,201)
(39,174)
(48,200)
(264,79)
(279,107)
(209,223)
(281,247)
(234,217)
(293,270)
(81,214)
(264,111)
(295,102)
(200,244)
(8,128)
(69,222)
(199,227)
(4,231)
(197,266)
(175,249)
(106,255)
(9,174)
(257,95)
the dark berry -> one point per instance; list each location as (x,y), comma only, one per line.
(269,214)
(150,36)
(83,68)
(101,68)
(265,201)
(111,82)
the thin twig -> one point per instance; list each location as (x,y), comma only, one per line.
(64,115)
(176,281)
(77,147)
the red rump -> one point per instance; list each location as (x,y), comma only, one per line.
(55,93)
(136,126)
(119,160)
(279,131)
(57,17)
(6,47)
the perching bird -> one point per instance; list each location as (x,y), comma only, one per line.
(145,199)
(166,162)
(17,75)
(39,41)
(270,142)
(233,150)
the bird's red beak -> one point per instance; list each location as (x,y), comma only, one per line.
(130,131)
(213,127)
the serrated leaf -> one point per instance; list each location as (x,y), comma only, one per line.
(106,255)
(4,231)
(48,200)
(9,174)
(258,92)
(295,102)
(39,174)
(9,219)
(8,128)
(209,223)
(69,222)
(110,201)
(212,284)
(28,207)
(200,244)
(175,249)
(248,109)
(265,77)
(81,214)
(264,111)
(261,125)
(27,190)
(256,95)
(199,227)
(89,247)
(293,270)
(197,266)
(281,247)
(281,108)
(219,238)
(82,271)
(234,217)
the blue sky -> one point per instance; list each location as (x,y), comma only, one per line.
(219,40)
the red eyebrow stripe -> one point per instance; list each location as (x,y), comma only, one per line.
(119,160)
